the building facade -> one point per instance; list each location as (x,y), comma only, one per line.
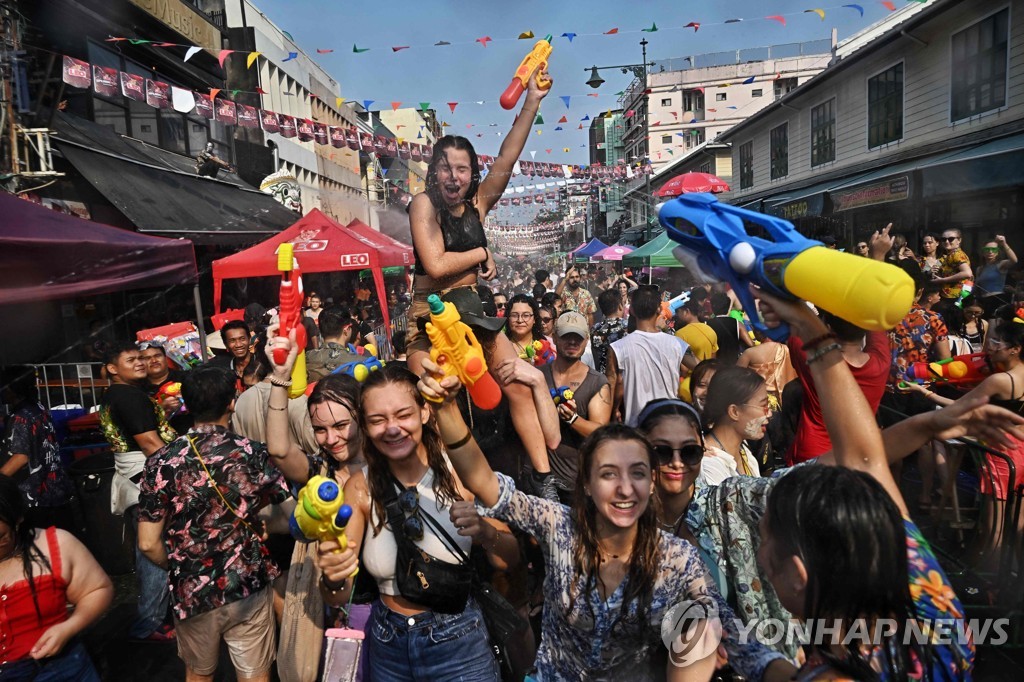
(922,126)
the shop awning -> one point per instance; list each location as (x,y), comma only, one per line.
(656,253)
(800,203)
(989,165)
(882,186)
(158,192)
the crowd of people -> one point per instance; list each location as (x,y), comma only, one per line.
(650,451)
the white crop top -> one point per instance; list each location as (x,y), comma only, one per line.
(380,551)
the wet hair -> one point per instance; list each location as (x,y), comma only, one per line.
(656,410)
(703,367)
(646,303)
(731,385)
(333,321)
(609,300)
(819,513)
(343,390)
(379,476)
(12,512)
(537,332)
(208,391)
(643,561)
(844,329)
(720,303)
(398,342)
(1008,331)
(21,381)
(441,157)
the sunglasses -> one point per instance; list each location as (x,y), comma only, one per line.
(991,249)
(690,454)
(146,345)
(409,503)
(545,319)
(950,239)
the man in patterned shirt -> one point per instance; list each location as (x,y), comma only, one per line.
(576,298)
(953,271)
(610,329)
(198,517)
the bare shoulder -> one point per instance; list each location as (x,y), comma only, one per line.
(421,206)
(357,492)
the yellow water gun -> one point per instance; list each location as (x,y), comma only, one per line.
(320,513)
(536,59)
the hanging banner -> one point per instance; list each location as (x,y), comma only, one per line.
(286,125)
(380,144)
(225,112)
(76,73)
(527,201)
(428,152)
(204,105)
(503,202)
(320,133)
(352,138)
(415,152)
(104,81)
(403,150)
(268,122)
(248,117)
(133,87)
(526,167)
(305,129)
(516,201)
(337,136)
(183,101)
(366,143)
(158,95)
(391,148)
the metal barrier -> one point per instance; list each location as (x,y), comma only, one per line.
(384,349)
(61,383)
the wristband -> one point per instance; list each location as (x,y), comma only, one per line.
(277,409)
(818,340)
(279,383)
(459,443)
(573,418)
(328,586)
(822,352)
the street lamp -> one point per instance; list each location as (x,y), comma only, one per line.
(640,72)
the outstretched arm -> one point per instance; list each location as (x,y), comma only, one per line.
(285,454)
(496,181)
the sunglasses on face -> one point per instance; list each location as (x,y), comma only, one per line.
(690,454)
(409,503)
(950,239)
(991,249)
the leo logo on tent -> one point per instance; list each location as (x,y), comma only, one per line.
(312,245)
(355,260)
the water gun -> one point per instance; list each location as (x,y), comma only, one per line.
(289,317)
(320,513)
(536,60)
(562,394)
(962,370)
(742,319)
(171,389)
(543,352)
(359,369)
(965,290)
(456,351)
(669,307)
(870,294)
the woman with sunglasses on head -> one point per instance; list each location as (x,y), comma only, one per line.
(736,410)
(613,576)
(407,475)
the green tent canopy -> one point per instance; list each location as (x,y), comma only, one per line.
(656,253)
(388,272)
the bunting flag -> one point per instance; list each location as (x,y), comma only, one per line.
(570,36)
(777,17)
(441,43)
(338,101)
(565,98)
(819,12)
(748,81)
(395,106)
(563,120)
(484,40)
(695,25)
(558,128)
(328,51)
(291,56)
(261,91)
(526,35)
(400,47)
(222,56)
(357,50)
(856,7)
(251,58)
(452,105)
(539,120)
(424,106)
(652,29)
(611,31)
(367,103)
(889,5)
(213,93)
(192,52)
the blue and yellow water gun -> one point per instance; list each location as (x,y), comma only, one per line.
(868,293)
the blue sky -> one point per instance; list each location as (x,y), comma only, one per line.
(466,72)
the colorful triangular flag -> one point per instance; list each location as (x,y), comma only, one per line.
(526,35)
(222,56)
(856,7)
(399,48)
(484,40)
(251,58)
(424,106)
(367,103)
(695,25)
(570,36)
(326,51)
(778,17)
(338,101)
(748,81)
(355,49)
(441,43)
(395,106)
(819,12)
(192,52)
(611,31)
(539,120)
(652,29)
(213,93)
(563,120)
(452,105)
(291,56)
(889,5)
(565,98)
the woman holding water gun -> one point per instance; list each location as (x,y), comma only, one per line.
(446,222)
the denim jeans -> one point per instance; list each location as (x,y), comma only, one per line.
(430,647)
(154,591)
(71,665)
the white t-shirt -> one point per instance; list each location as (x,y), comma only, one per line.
(649,364)
(719,465)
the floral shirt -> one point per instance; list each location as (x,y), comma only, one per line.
(949,264)
(580,302)
(42,481)
(913,339)
(604,334)
(598,638)
(127,412)
(214,558)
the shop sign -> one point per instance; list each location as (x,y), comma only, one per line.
(892,189)
(185,20)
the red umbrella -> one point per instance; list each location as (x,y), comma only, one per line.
(692,182)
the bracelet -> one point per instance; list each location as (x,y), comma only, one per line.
(279,383)
(327,586)
(277,409)
(460,442)
(573,418)
(818,340)
(822,352)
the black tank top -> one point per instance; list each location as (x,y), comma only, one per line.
(1012,404)
(461,233)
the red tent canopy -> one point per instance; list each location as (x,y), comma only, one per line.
(392,252)
(321,245)
(47,255)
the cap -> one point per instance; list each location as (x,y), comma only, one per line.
(571,323)
(471,309)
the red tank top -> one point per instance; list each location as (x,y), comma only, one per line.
(20,626)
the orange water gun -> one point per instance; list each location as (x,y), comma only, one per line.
(962,370)
(536,60)
(171,389)
(290,317)
(456,351)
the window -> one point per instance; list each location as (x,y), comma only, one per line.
(747,165)
(666,101)
(823,133)
(756,92)
(705,167)
(693,100)
(783,86)
(885,107)
(666,139)
(720,96)
(979,67)
(778,142)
